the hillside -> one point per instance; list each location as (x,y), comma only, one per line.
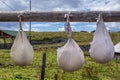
(80,37)
(57,37)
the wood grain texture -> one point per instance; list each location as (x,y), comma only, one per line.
(77,16)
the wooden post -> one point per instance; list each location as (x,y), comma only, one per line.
(43,66)
(12,40)
(30,25)
(4,42)
(77,16)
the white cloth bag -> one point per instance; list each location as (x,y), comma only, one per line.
(102,48)
(117,47)
(70,57)
(21,51)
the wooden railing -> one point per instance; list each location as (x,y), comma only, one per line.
(77,16)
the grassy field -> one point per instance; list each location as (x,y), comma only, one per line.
(80,37)
(90,70)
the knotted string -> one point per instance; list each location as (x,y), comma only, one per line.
(68,29)
(20,21)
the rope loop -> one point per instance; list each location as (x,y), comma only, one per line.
(20,21)
(68,29)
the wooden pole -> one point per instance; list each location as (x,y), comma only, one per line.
(4,42)
(30,24)
(77,16)
(43,66)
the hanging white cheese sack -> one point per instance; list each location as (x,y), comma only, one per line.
(70,57)
(117,47)
(102,48)
(21,51)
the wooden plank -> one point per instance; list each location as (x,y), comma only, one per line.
(77,16)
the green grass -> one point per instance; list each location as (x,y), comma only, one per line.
(90,70)
(82,38)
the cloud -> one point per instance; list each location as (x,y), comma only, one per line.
(9,26)
(14,5)
(56,5)
(63,29)
(59,5)
(102,5)
(43,26)
(113,26)
(88,25)
(13,26)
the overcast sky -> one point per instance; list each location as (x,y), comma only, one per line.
(59,5)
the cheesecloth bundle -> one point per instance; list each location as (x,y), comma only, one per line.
(70,57)
(21,50)
(102,48)
(117,47)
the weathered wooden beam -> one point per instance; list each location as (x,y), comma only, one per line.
(77,16)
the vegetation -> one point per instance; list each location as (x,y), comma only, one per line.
(80,37)
(90,70)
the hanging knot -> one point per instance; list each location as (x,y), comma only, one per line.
(20,20)
(67,16)
(99,18)
(67,25)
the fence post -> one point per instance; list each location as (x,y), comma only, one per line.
(43,66)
